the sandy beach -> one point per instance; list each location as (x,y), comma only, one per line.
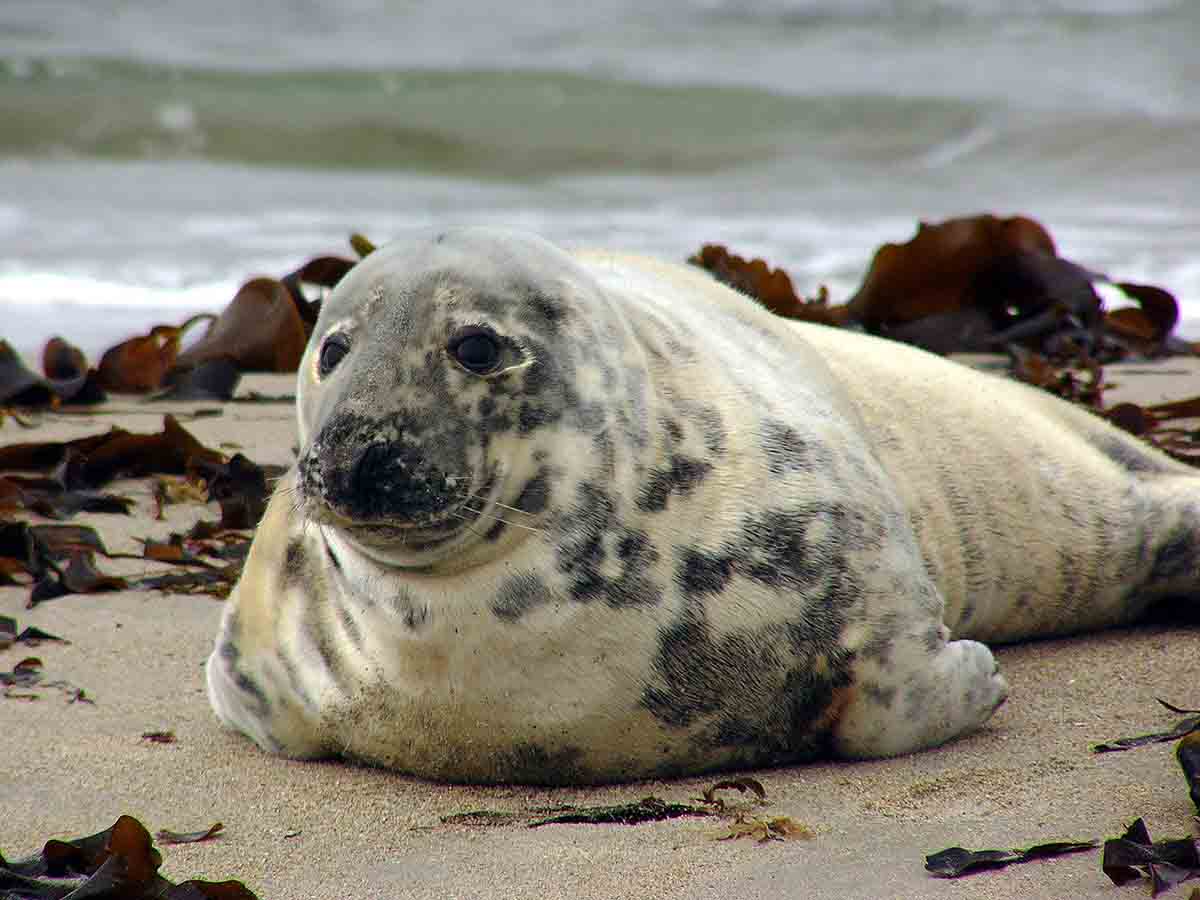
(326,830)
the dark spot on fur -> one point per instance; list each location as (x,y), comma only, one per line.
(349,623)
(1177,557)
(536,493)
(682,477)
(413,613)
(672,430)
(878,694)
(591,532)
(882,642)
(702,573)
(535,380)
(590,417)
(710,422)
(768,690)
(231,656)
(542,314)
(248,685)
(318,636)
(786,451)
(1129,454)
(333,560)
(519,594)
(935,639)
(294,568)
(532,417)
(295,682)
(779,549)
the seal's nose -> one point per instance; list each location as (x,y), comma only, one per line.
(372,469)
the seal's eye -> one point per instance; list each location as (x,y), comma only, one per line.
(333,351)
(475,349)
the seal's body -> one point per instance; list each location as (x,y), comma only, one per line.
(573,518)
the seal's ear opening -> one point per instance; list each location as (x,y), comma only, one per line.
(333,351)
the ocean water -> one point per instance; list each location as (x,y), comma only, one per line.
(155,155)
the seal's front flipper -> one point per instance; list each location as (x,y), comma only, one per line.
(921,694)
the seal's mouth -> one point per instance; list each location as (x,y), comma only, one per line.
(397,543)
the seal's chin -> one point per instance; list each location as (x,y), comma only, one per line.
(396,547)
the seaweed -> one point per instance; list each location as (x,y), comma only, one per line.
(974,284)
(140,364)
(772,288)
(119,863)
(1134,856)
(212,379)
(167,836)
(1187,754)
(30,635)
(648,809)
(261,330)
(67,378)
(1181,728)
(954,862)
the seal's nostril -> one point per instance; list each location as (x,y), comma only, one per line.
(371,470)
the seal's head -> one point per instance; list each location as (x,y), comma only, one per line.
(437,373)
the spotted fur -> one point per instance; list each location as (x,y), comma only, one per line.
(665,533)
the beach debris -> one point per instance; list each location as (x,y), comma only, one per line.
(486,818)
(26,673)
(1182,728)
(362,245)
(261,330)
(67,378)
(213,582)
(119,863)
(170,491)
(1148,326)
(779,828)
(739,820)
(159,737)
(1153,424)
(213,379)
(172,551)
(239,487)
(648,809)
(140,364)
(36,551)
(1079,379)
(50,498)
(17,683)
(974,284)
(741,784)
(267,324)
(954,862)
(1187,753)
(79,577)
(30,635)
(1134,856)
(264,328)
(772,288)
(167,836)
(93,461)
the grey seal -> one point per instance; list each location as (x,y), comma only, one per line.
(584,517)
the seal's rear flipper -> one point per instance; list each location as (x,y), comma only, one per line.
(923,697)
